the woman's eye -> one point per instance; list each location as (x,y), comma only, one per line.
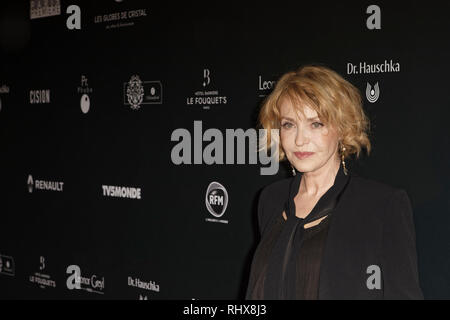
(286,125)
(317,124)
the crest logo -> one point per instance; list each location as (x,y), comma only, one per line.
(372,93)
(135,92)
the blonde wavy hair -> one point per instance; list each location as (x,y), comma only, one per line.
(336,101)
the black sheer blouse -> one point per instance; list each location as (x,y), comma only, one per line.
(286,264)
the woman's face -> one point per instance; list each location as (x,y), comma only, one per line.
(304,133)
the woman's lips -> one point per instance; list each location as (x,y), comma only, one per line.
(303,155)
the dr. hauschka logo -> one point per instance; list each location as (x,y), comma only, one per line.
(372,93)
(76,280)
(40,96)
(84,90)
(265,86)
(73,22)
(145,285)
(122,192)
(374,20)
(218,154)
(373,68)
(206,97)
(138,92)
(43,280)
(374,280)
(41,9)
(43,185)
(216,201)
(7,265)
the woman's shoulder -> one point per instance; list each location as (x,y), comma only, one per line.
(276,190)
(375,190)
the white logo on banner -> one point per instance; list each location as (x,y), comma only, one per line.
(372,93)
(206,98)
(120,19)
(85,90)
(206,78)
(122,192)
(7,265)
(43,280)
(218,153)
(3,90)
(43,185)
(216,201)
(41,9)
(373,68)
(374,20)
(40,96)
(137,283)
(374,281)
(30,183)
(75,280)
(138,92)
(135,92)
(265,86)
(74,20)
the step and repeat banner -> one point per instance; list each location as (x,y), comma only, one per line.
(127,129)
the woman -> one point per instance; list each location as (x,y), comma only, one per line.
(327,233)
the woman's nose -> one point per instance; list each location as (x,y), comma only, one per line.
(301,137)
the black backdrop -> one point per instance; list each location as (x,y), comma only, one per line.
(164,245)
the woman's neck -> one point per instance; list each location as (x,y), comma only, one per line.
(317,182)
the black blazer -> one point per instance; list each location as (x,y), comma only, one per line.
(372,224)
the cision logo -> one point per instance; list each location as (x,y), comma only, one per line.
(208,96)
(216,200)
(40,96)
(43,185)
(76,280)
(137,92)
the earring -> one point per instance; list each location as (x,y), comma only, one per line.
(293,170)
(342,159)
